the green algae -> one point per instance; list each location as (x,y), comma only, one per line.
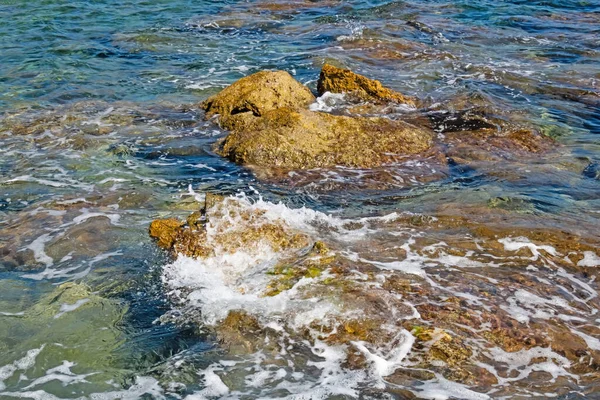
(70,324)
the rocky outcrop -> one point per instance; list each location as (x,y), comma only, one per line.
(193,239)
(338,80)
(271,126)
(301,139)
(257,94)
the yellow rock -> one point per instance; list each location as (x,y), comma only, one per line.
(257,94)
(338,80)
(302,139)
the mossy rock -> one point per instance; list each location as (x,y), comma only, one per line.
(70,323)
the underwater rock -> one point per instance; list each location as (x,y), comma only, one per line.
(257,94)
(304,139)
(240,333)
(70,324)
(338,80)
(368,313)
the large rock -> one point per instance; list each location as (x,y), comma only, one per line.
(338,80)
(257,94)
(302,139)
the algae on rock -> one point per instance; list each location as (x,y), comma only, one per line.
(70,324)
(270,125)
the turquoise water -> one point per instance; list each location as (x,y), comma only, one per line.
(100,134)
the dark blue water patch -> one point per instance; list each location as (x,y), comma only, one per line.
(592,171)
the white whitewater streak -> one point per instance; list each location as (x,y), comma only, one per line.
(143,386)
(65,308)
(311,221)
(521,362)
(8,314)
(515,244)
(215,292)
(53,273)
(39,254)
(592,342)
(328,102)
(386,363)
(525,305)
(22,364)
(213,386)
(86,214)
(62,373)
(590,259)
(46,182)
(443,389)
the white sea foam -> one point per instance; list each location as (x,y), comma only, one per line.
(65,308)
(515,244)
(213,386)
(38,249)
(525,305)
(443,389)
(590,259)
(22,364)
(386,361)
(522,362)
(328,101)
(62,373)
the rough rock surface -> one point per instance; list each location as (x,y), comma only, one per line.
(338,80)
(192,239)
(304,139)
(257,94)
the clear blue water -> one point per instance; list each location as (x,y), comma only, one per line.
(76,201)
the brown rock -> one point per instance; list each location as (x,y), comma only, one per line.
(338,80)
(301,139)
(191,239)
(257,94)
(240,333)
(165,231)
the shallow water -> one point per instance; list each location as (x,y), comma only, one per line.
(101,134)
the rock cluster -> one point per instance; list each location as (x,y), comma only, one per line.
(271,126)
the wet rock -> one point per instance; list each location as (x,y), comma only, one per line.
(165,231)
(338,80)
(257,94)
(240,333)
(303,139)
(191,238)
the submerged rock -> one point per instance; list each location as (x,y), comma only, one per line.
(70,326)
(450,321)
(338,80)
(304,139)
(592,171)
